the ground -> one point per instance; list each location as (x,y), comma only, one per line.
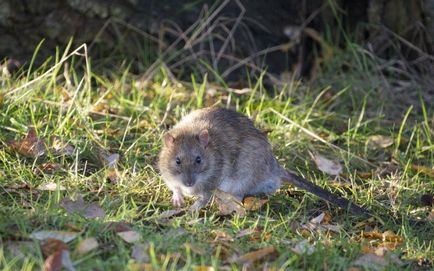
(79,150)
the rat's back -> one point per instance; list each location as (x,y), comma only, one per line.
(245,160)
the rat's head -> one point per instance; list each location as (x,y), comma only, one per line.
(185,157)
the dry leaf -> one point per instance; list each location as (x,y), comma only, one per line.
(387,236)
(106,158)
(56,261)
(88,210)
(65,236)
(243,233)
(222,236)
(87,245)
(31,146)
(118,226)
(371,262)
(303,247)
(171,213)
(253,204)
(380,141)
(375,262)
(139,253)
(58,147)
(255,255)
(228,204)
(130,236)
(51,187)
(328,166)
(48,168)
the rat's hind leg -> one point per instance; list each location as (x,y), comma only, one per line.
(267,186)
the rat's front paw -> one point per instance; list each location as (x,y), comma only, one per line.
(177,200)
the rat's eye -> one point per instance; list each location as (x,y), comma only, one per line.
(198,159)
(178,161)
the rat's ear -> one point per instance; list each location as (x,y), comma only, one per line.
(204,138)
(168,140)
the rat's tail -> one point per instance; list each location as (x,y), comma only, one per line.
(324,194)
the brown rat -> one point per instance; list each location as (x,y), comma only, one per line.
(216,148)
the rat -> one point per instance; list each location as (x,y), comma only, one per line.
(217,148)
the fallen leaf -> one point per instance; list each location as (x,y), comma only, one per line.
(48,168)
(50,246)
(222,236)
(112,175)
(253,204)
(303,247)
(87,245)
(65,236)
(375,262)
(139,253)
(327,166)
(56,261)
(243,233)
(380,141)
(371,262)
(59,147)
(31,146)
(228,204)
(106,158)
(387,236)
(118,226)
(88,210)
(130,236)
(255,255)
(51,187)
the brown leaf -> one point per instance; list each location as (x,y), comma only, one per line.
(57,260)
(303,247)
(387,236)
(130,236)
(380,141)
(87,245)
(375,262)
(31,146)
(64,236)
(255,255)
(222,236)
(48,168)
(228,204)
(118,226)
(51,187)
(50,246)
(139,253)
(59,147)
(253,204)
(88,210)
(327,166)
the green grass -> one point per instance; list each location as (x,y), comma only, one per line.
(342,108)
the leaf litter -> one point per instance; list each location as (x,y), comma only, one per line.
(87,210)
(328,166)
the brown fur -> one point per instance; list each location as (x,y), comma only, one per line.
(234,157)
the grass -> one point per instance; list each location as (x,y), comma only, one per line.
(116,112)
